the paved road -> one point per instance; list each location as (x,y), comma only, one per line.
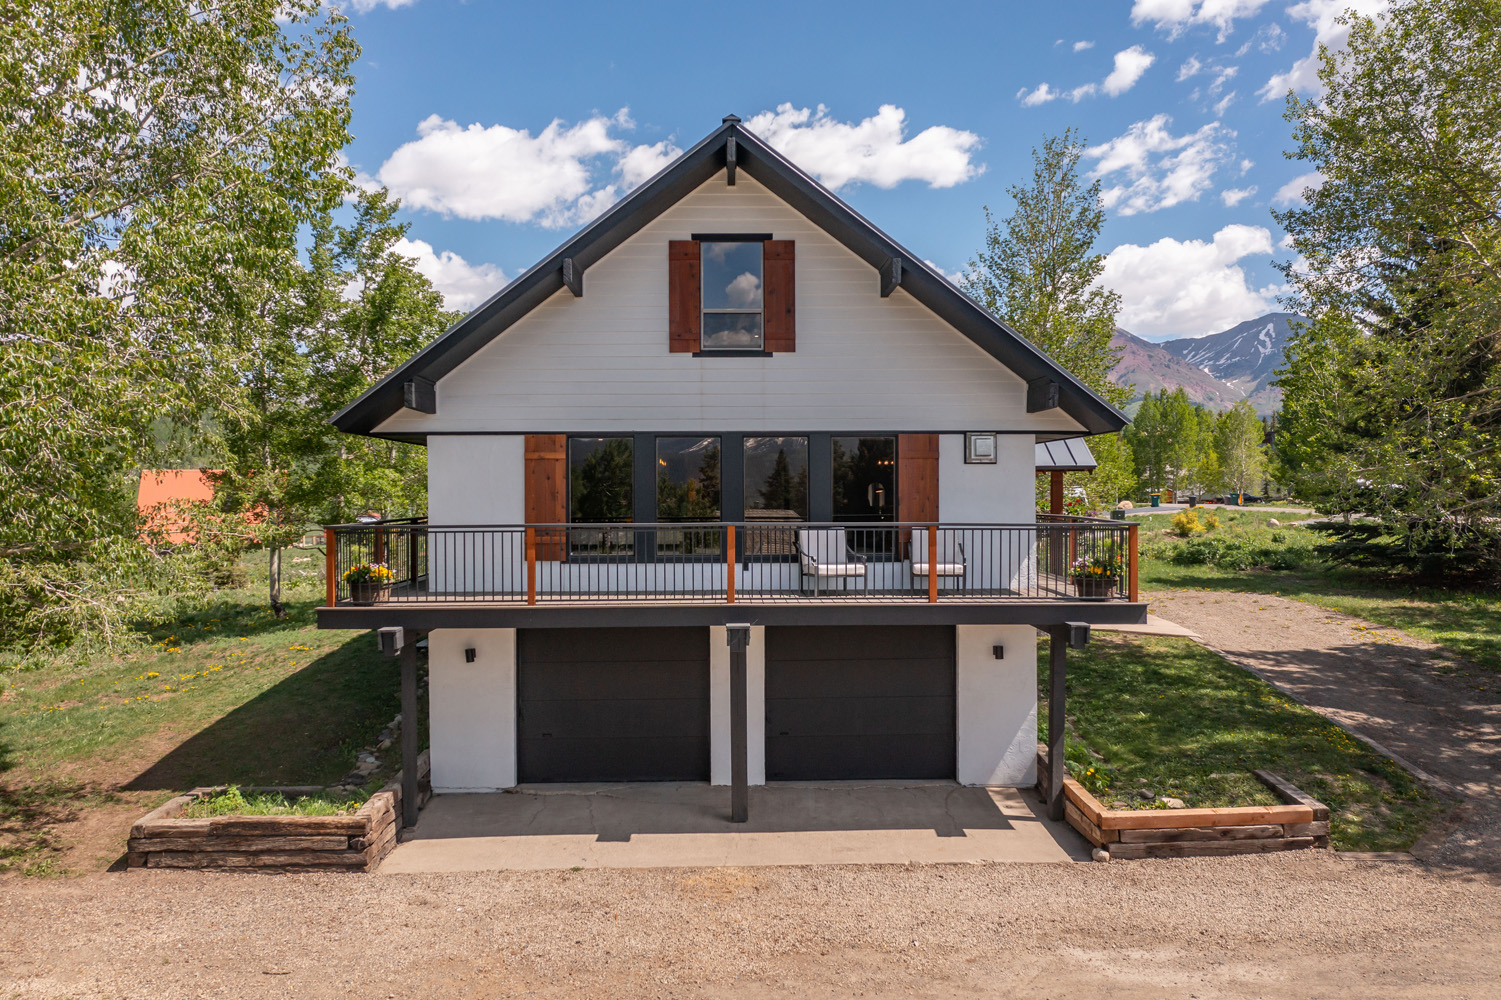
(1441,714)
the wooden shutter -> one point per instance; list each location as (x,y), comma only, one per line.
(916,480)
(780,302)
(684,297)
(546,490)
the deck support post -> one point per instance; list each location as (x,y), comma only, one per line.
(738,637)
(1060,638)
(409,802)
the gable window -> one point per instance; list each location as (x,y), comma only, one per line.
(733,295)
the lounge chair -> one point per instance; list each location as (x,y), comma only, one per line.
(950,561)
(824,554)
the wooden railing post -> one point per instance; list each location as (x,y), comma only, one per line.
(1132,589)
(729,564)
(531,565)
(932,564)
(330,567)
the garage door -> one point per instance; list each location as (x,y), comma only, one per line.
(849,703)
(613,704)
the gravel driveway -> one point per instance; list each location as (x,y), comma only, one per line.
(1299,925)
(1438,713)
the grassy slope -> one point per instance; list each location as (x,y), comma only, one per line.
(1465,623)
(1172,717)
(231,694)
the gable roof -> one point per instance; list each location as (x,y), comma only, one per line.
(783,179)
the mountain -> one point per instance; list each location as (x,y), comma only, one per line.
(1216,371)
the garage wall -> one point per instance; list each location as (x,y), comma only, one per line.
(719,706)
(473,709)
(997,705)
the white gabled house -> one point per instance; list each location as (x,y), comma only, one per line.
(732,401)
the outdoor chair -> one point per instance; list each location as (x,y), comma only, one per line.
(824,554)
(950,560)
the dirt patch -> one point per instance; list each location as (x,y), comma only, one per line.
(1286,926)
(1426,706)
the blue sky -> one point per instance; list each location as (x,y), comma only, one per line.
(504,127)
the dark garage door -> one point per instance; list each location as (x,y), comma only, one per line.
(850,703)
(598,704)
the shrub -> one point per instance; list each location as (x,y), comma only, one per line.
(1186,524)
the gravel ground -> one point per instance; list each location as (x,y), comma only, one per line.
(1298,925)
(1428,707)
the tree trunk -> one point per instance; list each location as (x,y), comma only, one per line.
(277,608)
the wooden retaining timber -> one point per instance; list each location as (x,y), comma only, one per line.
(163,839)
(1301,822)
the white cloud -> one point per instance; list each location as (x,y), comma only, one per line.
(1291,193)
(1042,95)
(1081,46)
(954,277)
(1224,103)
(366,6)
(1321,15)
(1268,38)
(497,172)
(874,150)
(1130,64)
(1234,196)
(1161,170)
(1189,288)
(462,284)
(1177,16)
(1189,68)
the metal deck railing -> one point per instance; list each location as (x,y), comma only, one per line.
(1058,558)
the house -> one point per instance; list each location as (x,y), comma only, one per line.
(730,488)
(162,496)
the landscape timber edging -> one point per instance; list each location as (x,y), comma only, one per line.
(1300,822)
(353,843)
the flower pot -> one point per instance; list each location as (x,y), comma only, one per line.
(1094,587)
(369,593)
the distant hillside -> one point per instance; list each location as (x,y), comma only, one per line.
(1216,371)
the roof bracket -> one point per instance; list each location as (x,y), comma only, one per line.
(729,160)
(420,394)
(1042,394)
(573,277)
(891,276)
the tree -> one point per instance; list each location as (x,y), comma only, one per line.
(157,159)
(1040,273)
(1392,393)
(1239,442)
(1172,443)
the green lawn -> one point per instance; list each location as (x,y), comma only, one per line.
(1172,717)
(229,694)
(1462,621)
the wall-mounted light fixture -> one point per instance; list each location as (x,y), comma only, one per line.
(469,655)
(980,449)
(999,652)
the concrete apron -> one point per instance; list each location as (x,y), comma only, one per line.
(687,825)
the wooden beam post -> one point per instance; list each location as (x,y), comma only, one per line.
(1133,592)
(1057,664)
(409,802)
(932,564)
(330,567)
(729,564)
(531,565)
(738,637)
(1055,493)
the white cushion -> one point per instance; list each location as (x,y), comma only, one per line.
(944,569)
(835,569)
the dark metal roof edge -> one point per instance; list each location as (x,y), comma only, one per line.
(682,176)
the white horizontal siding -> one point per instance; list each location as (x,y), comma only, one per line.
(600,363)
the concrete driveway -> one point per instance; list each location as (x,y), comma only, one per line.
(687,825)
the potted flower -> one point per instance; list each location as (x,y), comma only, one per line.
(1097,576)
(369,582)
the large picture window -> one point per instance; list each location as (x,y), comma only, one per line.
(599,492)
(776,479)
(732,297)
(864,490)
(688,474)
